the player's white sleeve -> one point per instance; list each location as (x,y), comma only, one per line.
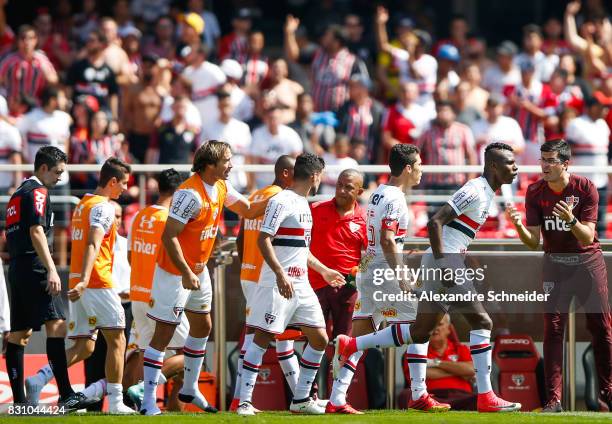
(129,235)
(391,215)
(232,195)
(186,204)
(465,198)
(274,216)
(102,216)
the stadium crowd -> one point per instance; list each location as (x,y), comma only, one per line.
(153,79)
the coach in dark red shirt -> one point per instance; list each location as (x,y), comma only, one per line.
(338,236)
(563,207)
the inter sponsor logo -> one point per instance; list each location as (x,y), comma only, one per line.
(144,248)
(554,223)
(77,234)
(252,224)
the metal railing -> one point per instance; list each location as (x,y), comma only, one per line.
(224,257)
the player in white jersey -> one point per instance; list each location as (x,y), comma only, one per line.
(387,223)
(283,295)
(451,230)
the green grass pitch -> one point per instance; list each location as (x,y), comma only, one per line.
(384,416)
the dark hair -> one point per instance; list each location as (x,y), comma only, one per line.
(560,146)
(223,94)
(25,28)
(496,146)
(48,93)
(168,181)
(444,103)
(99,35)
(306,165)
(339,33)
(402,155)
(50,156)
(113,168)
(209,153)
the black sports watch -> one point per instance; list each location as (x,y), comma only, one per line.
(573,222)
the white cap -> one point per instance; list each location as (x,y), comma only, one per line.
(231,69)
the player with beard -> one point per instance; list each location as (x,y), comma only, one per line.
(451,230)
(181,282)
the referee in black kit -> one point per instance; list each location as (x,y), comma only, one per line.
(35,285)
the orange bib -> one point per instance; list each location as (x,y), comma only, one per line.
(145,244)
(101,274)
(198,236)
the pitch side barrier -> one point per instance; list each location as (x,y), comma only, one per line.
(513,251)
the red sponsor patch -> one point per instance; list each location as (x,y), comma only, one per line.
(13,211)
(40,201)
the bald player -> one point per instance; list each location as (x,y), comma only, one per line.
(338,237)
(252,261)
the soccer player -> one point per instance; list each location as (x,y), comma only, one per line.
(35,284)
(563,208)
(386,224)
(144,244)
(94,305)
(283,295)
(252,261)
(181,282)
(451,231)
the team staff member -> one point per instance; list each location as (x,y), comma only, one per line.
(94,304)
(144,243)
(34,281)
(181,282)
(563,208)
(251,261)
(338,237)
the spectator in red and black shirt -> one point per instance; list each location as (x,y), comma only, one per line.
(92,76)
(562,207)
(361,116)
(332,65)
(27,71)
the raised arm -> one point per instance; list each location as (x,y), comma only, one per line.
(380,29)
(292,49)
(569,27)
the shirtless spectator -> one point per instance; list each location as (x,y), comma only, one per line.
(141,108)
(114,56)
(285,90)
